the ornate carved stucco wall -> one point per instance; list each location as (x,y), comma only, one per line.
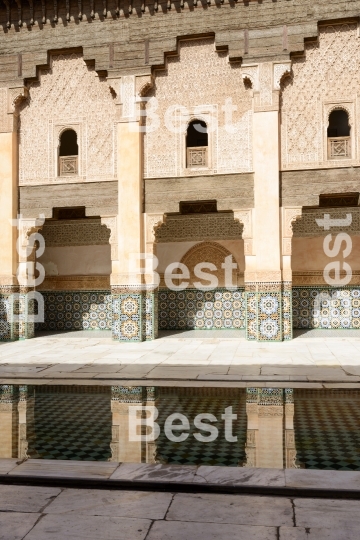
(200,79)
(327,76)
(69,94)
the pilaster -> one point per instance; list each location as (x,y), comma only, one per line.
(268,291)
(134,298)
(9,99)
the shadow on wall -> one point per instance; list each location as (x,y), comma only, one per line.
(334,309)
(203,310)
(85,310)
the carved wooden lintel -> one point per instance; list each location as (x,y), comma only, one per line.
(8,18)
(19,5)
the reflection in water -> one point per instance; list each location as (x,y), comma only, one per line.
(270,428)
(254,427)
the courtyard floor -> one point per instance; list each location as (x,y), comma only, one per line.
(317,358)
(51,513)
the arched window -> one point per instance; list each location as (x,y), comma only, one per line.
(197,144)
(338,132)
(68,153)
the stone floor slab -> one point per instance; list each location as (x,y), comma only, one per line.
(26,498)
(96,502)
(154,473)
(6,465)
(300,533)
(334,514)
(164,530)
(306,478)
(239,476)
(240,509)
(55,527)
(63,468)
(14,525)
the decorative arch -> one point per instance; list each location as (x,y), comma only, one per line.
(208,252)
(340,107)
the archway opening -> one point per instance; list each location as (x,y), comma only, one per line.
(68,143)
(68,153)
(339,124)
(338,133)
(196,134)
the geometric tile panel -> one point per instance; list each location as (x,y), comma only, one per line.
(151,315)
(264,316)
(203,310)
(128,310)
(7,332)
(334,309)
(77,310)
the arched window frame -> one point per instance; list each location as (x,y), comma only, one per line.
(75,169)
(340,148)
(207,153)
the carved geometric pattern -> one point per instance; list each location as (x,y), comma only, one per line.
(197,157)
(208,252)
(339,147)
(128,96)
(80,232)
(331,66)
(306,225)
(69,93)
(68,165)
(199,227)
(163,148)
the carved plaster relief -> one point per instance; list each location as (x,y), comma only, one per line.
(75,233)
(198,71)
(69,94)
(327,76)
(307,225)
(10,99)
(198,227)
(208,252)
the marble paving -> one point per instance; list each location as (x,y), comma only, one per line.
(204,358)
(41,513)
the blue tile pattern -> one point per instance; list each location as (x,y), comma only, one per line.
(195,309)
(334,309)
(76,310)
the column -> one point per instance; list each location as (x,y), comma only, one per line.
(122,448)
(9,97)
(134,300)
(268,293)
